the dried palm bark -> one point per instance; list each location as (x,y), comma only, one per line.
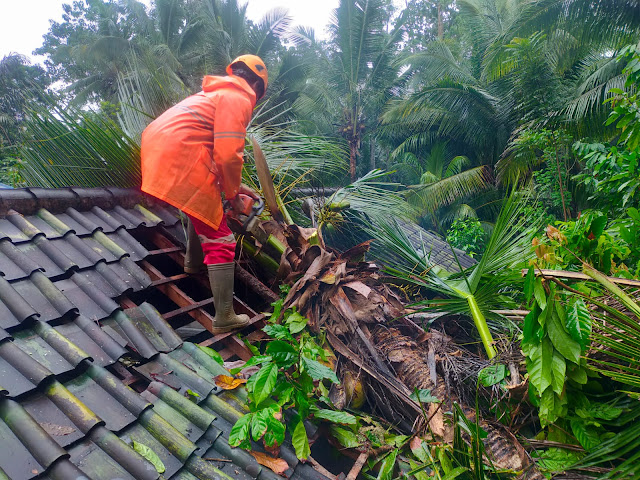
(345,297)
(417,366)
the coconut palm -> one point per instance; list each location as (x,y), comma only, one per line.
(352,79)
(442,187)
(519,73)
(477,291)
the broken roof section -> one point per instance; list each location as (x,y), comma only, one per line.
(84,275)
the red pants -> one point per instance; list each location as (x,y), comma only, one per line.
(218,246)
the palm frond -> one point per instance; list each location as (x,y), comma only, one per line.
(447,190)
(264,37)
(510,242)
(374,196)
(72,147)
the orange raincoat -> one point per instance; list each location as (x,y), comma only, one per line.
(195,148)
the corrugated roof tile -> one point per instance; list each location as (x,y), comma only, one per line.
(10,231)
(15,459)
(126,328)
(14,309)
(43,450)
(15,264)
(154,327)
(129,244)
(96,463)
(53,420)
(168,218)
(69,342)
(61,268)
(103,340)
(138,433)
(123,454)
(86,297)
(97,401)
(36,347)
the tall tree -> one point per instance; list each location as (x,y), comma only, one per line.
(354,75)
(513,75)
(20,83)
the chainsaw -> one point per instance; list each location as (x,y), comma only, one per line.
(244,221)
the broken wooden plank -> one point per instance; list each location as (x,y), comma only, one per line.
(578,276)
(216,338)
(175,294)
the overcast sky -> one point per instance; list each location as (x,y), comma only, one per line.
(24,22)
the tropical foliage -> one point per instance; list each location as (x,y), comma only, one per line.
(481,120)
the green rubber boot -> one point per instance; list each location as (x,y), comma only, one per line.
(221,280)
(194,256)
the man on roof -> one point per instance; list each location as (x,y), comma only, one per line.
(192,159)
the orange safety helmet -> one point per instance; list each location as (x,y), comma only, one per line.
(255,64)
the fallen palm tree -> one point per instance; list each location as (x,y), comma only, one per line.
(365,323)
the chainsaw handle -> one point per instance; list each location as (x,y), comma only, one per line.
(256,209)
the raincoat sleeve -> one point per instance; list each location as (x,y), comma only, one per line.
(233,113)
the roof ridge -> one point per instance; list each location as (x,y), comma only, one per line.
(29,200)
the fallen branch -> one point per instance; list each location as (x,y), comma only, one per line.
(578,276)
(357,467)
(320,469)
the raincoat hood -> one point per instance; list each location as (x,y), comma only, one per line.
(211,83)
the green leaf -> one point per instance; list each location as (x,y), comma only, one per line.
(539,365)
(552,407)
(556,459)
(263,382)
(212,353)
(420,451)
(577,374)
(531,326)
(317,371)
(284,354)
(455,473)
(558,369)
(300,441)
(599,410)
(387,466)
(283,392)
(419,472)
(346,438)
(191,393)
(539,293)
(277,309)
(260,423)
(492,374)
(239,435)
(275,432)
(302,401)
(579,322)
(334,416)
(423,396)
(255,360)
(278,331)
(586,435)
(529,284)
(296,322)
(149,455)
(568,347)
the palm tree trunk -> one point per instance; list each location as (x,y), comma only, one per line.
(372,153)
(481,325)
(564,206)
(353,151)
(440,22)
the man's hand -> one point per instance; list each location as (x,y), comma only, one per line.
(248,191)
(237,203)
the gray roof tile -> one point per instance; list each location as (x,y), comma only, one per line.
(62,413)
(39,350)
